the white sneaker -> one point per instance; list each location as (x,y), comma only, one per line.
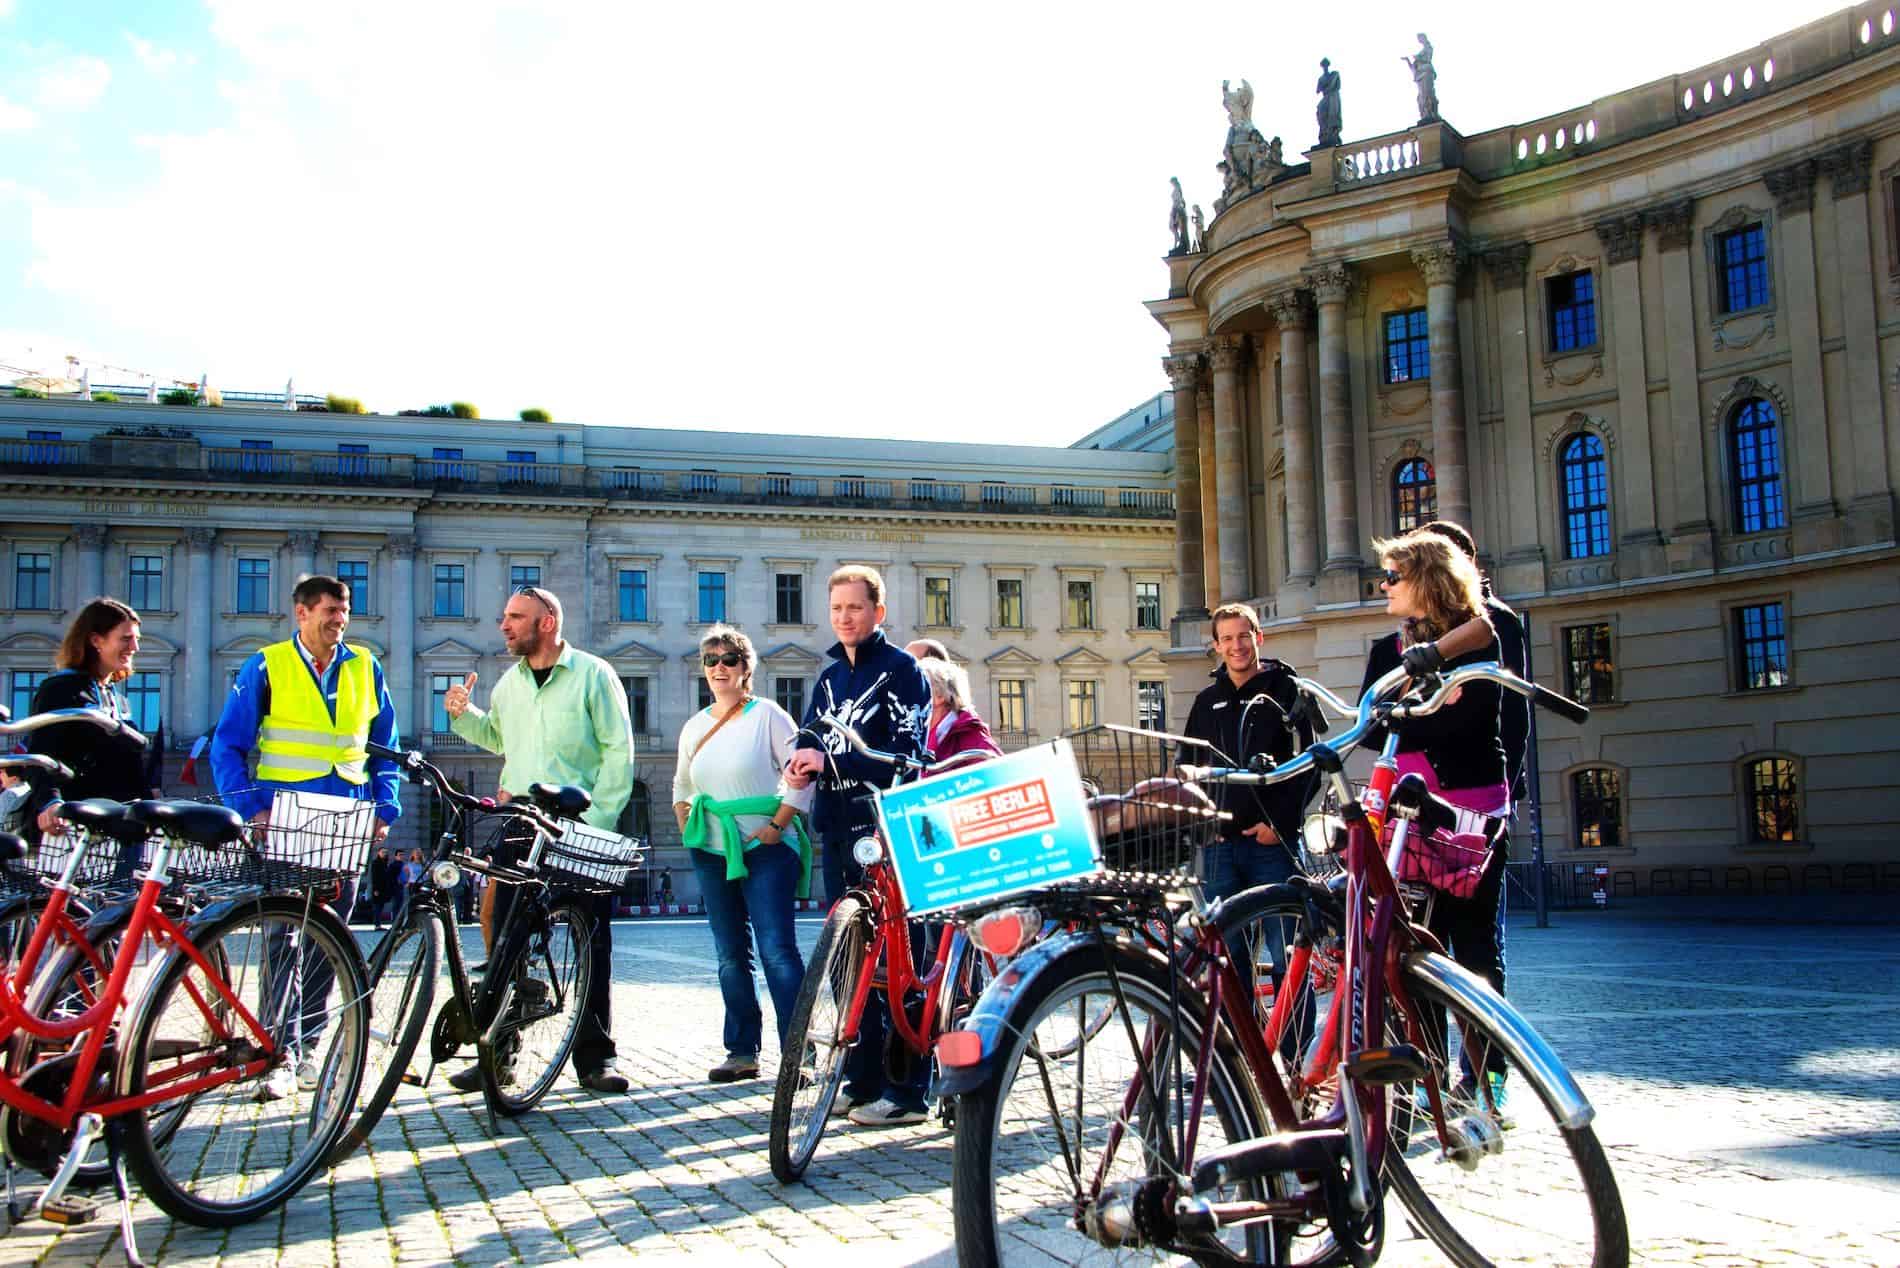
(307,1075)
(885,1112)
(278,1084)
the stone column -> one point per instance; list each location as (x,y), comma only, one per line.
(400,668)
(91,541)
(1523,556)
(1691,538)
(1293,312)
(1806,439)
(1210,502)
(303,553)
(1230,464)
(1870,514)
(1439,263)
(197,701)
(1635,470)
(1184,373)
(1331,283)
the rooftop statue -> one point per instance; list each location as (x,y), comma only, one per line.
(1198,242)
(1239,107)
(1247,162)
(1178,220)
(1328,90)
(1426,78)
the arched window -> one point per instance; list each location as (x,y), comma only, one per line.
(1754,454)
(1597,796)
(1586,496)
(1772,786)
(1414,494)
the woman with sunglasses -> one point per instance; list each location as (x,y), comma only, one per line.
(748,846)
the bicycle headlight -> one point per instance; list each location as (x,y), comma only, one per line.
(445,875)
(867,851)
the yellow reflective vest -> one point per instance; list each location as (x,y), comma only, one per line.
(296,740)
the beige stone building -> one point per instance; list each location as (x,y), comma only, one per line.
(1647,349)
(1048,572)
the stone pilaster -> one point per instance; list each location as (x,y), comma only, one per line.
(1691,537)
(1331,284)
(197,702)
(90,539)
(1635,471)
(1210,501)
(1815,510)
(1522,565)
(1440,264)
(1184,374)
(1227,354)
(1293,311)
(303,552)
(1870,517)
(400,668)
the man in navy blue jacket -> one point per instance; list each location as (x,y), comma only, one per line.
(876,687)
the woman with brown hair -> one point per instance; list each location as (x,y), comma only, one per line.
(95,656)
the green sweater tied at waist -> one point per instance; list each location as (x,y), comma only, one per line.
(697,834)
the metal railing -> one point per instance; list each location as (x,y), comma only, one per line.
(248,461)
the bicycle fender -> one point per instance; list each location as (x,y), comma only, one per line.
(1520,1040)
(993,1007)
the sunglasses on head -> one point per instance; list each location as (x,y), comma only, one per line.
(1393,578)
(731,660)
(534,592)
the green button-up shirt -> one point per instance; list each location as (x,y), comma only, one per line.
(573,729)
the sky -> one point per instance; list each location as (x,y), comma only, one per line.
(850,219)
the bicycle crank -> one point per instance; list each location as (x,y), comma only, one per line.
(452,1030)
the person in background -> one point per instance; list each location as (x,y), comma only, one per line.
(955,736)
(927,649)
(14,791)
(740,825)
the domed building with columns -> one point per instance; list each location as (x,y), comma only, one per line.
(1646,349)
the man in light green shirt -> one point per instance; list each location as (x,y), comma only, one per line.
(559,717)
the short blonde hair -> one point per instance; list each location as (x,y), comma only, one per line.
(727,636)
(948,681)
(873,580)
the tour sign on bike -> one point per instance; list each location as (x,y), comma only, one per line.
(1243,1082)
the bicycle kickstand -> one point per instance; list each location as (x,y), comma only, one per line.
(128,1236)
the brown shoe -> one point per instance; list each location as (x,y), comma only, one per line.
(606,1080)
(732,1069)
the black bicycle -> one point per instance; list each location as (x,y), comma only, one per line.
(524,1013)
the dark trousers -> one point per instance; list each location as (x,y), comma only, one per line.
(594,1043)
(296,983)
(864,1068)
(1472,929)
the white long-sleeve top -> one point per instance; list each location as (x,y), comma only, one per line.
(746,759)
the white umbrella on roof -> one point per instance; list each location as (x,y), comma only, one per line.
(290,393)
(50,384)
(85,384)
(151,391)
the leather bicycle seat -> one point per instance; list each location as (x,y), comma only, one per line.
(563,801)
(108,818)
(194,821)
(1411,799)
(11,847)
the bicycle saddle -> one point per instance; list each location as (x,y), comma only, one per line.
(12,847)
(193,821)
(108,818)
(563,801)
(1411,799)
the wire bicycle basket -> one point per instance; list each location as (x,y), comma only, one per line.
(591,859)
(103,863)
(1148,819)
(308,840)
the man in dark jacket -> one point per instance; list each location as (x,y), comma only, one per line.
(877,688)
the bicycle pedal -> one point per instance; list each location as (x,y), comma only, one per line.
(1401,1063)
(69,1209)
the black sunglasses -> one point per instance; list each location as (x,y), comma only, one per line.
(534,592)
(731,660)
(1393,578)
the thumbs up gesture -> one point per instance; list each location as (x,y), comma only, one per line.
(455,699)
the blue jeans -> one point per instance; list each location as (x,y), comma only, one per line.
(1239,863)
(759,904)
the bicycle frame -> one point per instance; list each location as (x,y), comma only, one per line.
(880,895)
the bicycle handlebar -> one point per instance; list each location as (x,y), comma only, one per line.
(37,761)
(419,768)
(856,741)
(97,717)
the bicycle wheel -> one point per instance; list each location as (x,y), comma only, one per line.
(1515,1186)
(1044,1140)
(543,985)
(811,1067)
(242,1148)
(402,979)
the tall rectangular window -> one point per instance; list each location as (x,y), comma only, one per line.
(633,594)
(1408,346)
(253,585)
(1147,605)
(1082,701)
(1761,646)
(46,450)
(937,601)
(519,468)
(142,700)
(354,573)
(790,694)
(1151,704)
(639,703)
(439,685)
(712,597)
(520,575)
(21,684)
(255,456)
(451,590)
(1742,255)
(352,459)
(1079,610)
(705,695)
(1573,311)
(33,580)
(1597,793)
(145,582)
(1012,705)
(788,595)
(1009,603)
(1589,670)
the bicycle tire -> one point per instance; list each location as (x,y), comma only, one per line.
(239,1128)
(806,1089)
(1467,1195)
(1002,1151)
(402,981)
(539,1044)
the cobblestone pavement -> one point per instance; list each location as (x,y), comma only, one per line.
(1747,1079)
